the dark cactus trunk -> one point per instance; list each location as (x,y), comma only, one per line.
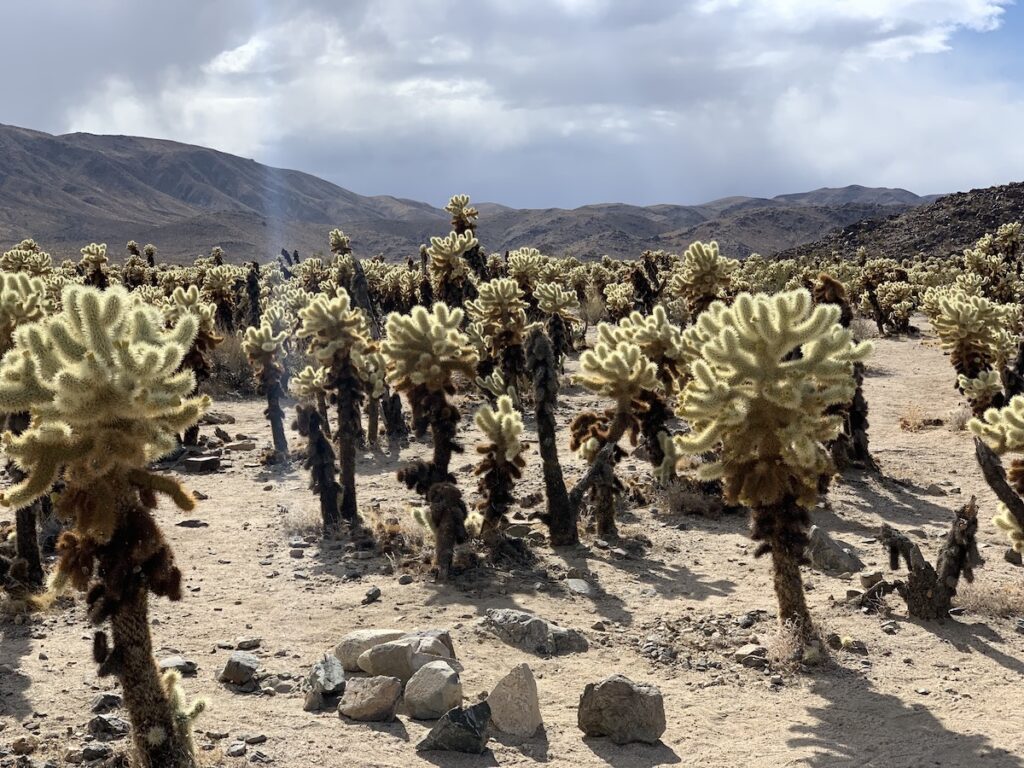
(782,530)
(274,412)
(348,394)
(27,545)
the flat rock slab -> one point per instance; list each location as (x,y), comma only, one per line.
(533,634)
(831,556)
(354,644)
(371,699)
(622,710)
(460,730)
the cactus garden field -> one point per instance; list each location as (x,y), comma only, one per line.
(467,508)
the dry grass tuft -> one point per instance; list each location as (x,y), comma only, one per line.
(593,309)
(787,652)
(863,328)
(958,417)
(914,420)
(232,375)
(992,599)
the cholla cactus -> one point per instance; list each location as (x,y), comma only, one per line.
(340,243)
(337,332)
(704,276)
(372,369)
(219,288)
(618,299)
(198,358)
(149,251)
(265,349)
(22,300)
(500,313)
(561,308)
(449,270)
(310,385)
(94,265)
(770,370)
(1002,430)
(27,257)
(501,466)
(103,385)
(464,215)
(976,333)
(424,351)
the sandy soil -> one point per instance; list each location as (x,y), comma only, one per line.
(932,694)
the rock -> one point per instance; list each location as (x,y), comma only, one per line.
(371,699)
(211,418)
(890,627)
(240,445)
(460,730)
(935,490)
(248,643)
(750,649)
(74,756)
(106,702)
(297,553)
(855,646)
(868,580)
(237,749)
(515,706)
(1013,557)
(326,682)
(372,595)
(241,670)
(107,727)
(579,586)
(252,739)
(92,752)
(354,644)
(195,465)
(192,523)
(401,658)
(533,634)
(222,434)
(433,690)
(24,745)
(1020,626)
(622,710)
(404,579)
(184,667)
(828,555)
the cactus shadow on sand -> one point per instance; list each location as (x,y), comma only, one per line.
(15,644)
(857,725)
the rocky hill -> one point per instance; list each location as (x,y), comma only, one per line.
(69,190)
(947,225)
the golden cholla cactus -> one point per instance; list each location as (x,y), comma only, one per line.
(265,350)
(309,383)
(618,299)
(190,302)
(340,243)
(263,347)
(1002,430)
(94,257)
(501,313)
(104,389)
(704,275)
(553,300)
(427,348)
(372,369)
(334,327)
(766,408)
(525,266)
(659,339)
(218,284)
(446,253)
(26,257)
(22,300)
(463,214)
(620,372)
(503,426)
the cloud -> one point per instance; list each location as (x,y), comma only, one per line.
(540,103)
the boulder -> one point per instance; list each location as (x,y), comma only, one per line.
(241,670)
(326,682)
(622,710)
(403,657)
(354,644)
(460,730)
(831,556)
(515,706)
(371,699)
(433,690)
(533,634)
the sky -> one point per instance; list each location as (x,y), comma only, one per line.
(537,103)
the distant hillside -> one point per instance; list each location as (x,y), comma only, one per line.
(66,191)
(946,226)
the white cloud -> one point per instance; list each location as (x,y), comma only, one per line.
(584,100)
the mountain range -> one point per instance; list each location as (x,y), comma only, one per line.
(68,190)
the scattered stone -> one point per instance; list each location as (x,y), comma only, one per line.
(855,646)
(106,702)
(433,690)
(371,699)
(460,730)
(237,749)
(297,553)
(579,587)
(935,490)
(922,691)
(868,580)
(192,523)
(24,745)
(326,681)
(354,644)
(890,627)
(107,727)
(92,752)
(184,667)
(240,445)
(1013,557)
(254,739)
(372,595)
(533,634)
(622,710)
(600,543)
(515,706)
(750,650)
(74,756)
(776,680)
(404,579)
(403,657)
(241,671)
(248,643)
(195,465)
(211,418)
(831,556)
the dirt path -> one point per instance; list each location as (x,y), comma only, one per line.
(941,694)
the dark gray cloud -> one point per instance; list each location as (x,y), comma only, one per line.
(536,102)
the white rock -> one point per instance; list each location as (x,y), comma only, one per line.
(395,658)
(371,699)
(354,644)
(515,707)
(432,691)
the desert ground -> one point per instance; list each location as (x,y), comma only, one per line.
(666,607)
